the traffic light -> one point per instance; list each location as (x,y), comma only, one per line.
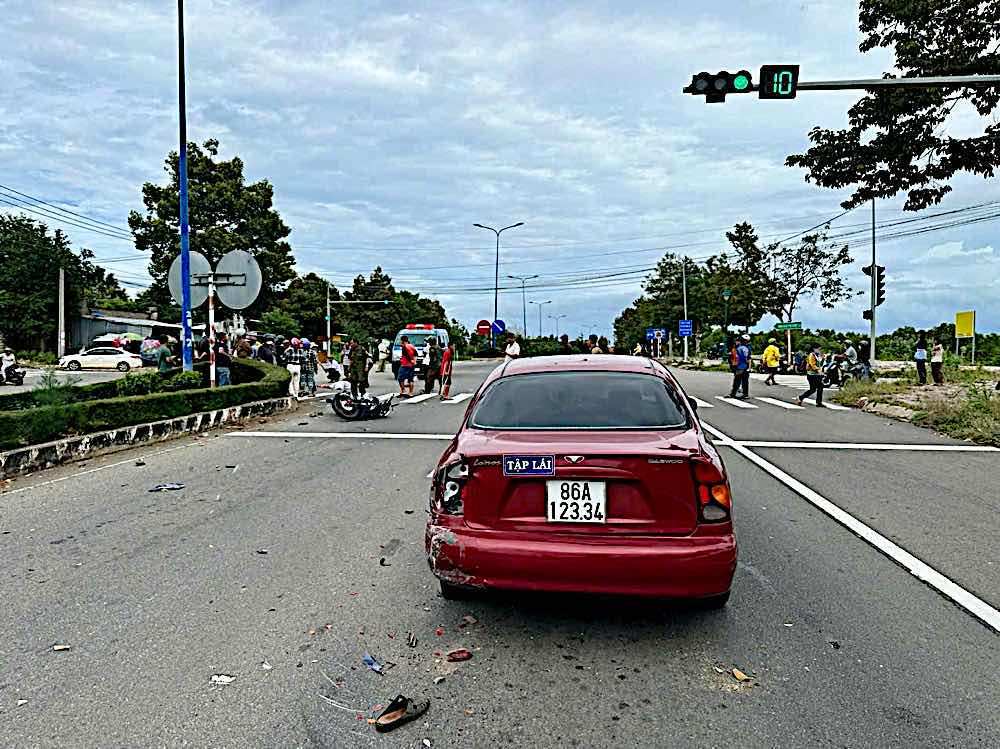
(715,87)
(867,314)
(778,81)
(879,284)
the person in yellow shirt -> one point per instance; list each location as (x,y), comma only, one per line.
(772,358)
(814,375)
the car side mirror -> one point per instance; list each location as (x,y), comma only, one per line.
(693,403)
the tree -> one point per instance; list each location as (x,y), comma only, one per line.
(896,140)
(225,213)
(277,322)
(29,284)
(783,275)
(305,301)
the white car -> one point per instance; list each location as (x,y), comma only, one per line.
(106,357)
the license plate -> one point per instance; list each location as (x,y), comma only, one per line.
(574,502)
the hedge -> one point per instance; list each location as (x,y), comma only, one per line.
(253,380)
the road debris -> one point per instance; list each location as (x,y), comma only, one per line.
(400,711)
(380,668)
(834,644)
(411,639)
(59,647)
(426,742)
(266,666)
(222,679)
(383,563)
(22,702)
(168,487)
(262,551)
(468,619)
(469,712)
(140,462)
(407,512)
(459,654)
(739,675)
(439,631)
(786,624)
(438,679)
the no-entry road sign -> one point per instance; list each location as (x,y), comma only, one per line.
(483,327)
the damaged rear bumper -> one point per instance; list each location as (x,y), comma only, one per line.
(683,567)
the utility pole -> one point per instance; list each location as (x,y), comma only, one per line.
(61,342)
(874,287)
(328,334)
(524,308)
(182,178)
(557,318)
(496,277)
(540,304)
(685,287)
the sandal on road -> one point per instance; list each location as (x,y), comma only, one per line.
(401,710)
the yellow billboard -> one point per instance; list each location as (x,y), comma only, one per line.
(965,324)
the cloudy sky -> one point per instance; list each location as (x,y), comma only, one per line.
(389,128)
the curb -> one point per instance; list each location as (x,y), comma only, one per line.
(48,454)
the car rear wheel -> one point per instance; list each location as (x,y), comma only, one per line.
(452,592)
(73,366)
(123,366)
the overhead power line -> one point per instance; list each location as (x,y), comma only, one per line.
(34,199)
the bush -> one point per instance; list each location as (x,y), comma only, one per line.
(182,381)
(141,383)
(253,381)
(51,391)
(42,358)
(975,417)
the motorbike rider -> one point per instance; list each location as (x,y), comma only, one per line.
(7,360)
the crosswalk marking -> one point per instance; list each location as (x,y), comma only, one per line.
(419,398)
(780,403)
(703,404)
(735,402)
(457,398)
(836,407)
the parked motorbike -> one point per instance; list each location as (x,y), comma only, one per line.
(837,370)
(14,375)
(350,408)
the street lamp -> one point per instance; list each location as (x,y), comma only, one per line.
(557,318)
(496,275)
(540,314)
(524,308)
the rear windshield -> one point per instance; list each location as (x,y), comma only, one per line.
(579,400)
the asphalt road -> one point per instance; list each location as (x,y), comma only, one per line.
(157,592)
(33,376)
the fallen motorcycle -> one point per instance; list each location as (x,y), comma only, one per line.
(350,408)
(14,375)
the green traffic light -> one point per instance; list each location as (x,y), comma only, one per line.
(741,82)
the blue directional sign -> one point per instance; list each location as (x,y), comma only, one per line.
(498,327)
(652,333)
(685,328)
(529,465)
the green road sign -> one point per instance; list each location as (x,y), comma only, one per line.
(788,326)
(726,293)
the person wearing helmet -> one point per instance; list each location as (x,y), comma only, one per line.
(865,358)
(7,360)
(772,358)
(293,363)
(741,369)
(309,366)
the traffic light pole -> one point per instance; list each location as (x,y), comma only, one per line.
(874,289)
(182,179)
(916,82)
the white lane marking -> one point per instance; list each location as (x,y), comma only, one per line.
(386,395)
(735,402)
(457,398)
(919,569)
(418,398)
(95,470)
(780,403)
(703,404)
(837,407)
(344,435)
(871,446)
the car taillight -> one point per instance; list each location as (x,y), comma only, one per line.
(446,491)
(715,503)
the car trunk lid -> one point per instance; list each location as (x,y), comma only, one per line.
(649,487)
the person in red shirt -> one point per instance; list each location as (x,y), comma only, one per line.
(407,360)
(447,362)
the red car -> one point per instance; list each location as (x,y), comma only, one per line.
(584,474)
